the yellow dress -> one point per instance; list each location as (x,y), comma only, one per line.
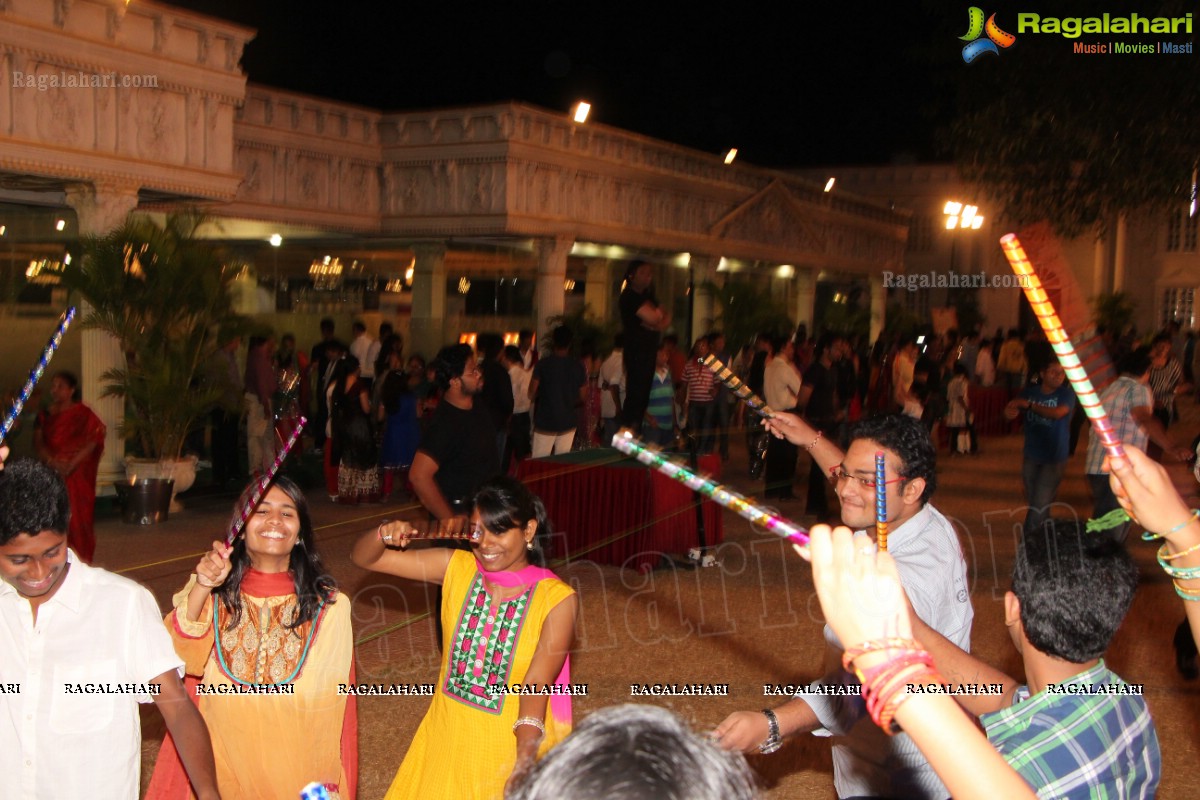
(465,746)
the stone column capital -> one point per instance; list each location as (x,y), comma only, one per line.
(102,205)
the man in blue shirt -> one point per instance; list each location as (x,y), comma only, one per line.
(1048,406)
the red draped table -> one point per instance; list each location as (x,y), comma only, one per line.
(612,509)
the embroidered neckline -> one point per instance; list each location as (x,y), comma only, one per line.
(228,673)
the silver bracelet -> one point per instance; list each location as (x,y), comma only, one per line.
(200,581)
(534,721)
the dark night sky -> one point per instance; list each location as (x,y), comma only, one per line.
(788,86)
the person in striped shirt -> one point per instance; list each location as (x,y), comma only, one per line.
(700,387)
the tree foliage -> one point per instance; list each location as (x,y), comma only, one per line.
(1073,138)
(163,293)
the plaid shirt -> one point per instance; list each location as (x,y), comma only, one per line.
(1119,399)
(1080,745)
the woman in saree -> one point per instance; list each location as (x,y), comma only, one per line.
(506,623)
(263,626)
(70,437)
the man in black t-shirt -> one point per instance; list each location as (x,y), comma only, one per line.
(642,320)
(458,448)
(558,387)
(823,409)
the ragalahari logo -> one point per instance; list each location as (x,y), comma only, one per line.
(976,27)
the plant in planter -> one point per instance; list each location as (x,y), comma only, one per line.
(162,292)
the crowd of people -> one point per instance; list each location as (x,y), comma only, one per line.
(247,664)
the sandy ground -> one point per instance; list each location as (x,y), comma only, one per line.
(752,621)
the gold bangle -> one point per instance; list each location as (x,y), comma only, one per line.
(813,443)
(200,581)
(1181,553)
(1184,590)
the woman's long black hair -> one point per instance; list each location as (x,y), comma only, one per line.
(313,584)
(505,503)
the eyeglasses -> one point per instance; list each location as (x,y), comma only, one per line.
(839,474)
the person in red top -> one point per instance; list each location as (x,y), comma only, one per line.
(70,438)
(700,387)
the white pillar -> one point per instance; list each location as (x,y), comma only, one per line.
(704,272)
(1120,244)
(598,289)
(878,306)
(100,208)
(427,326)
(805,282)
(552,274)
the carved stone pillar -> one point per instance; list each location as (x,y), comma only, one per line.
(878,306)
(704,272)
(598,291)
(806,296)
(100,208)
(552,273)
(427,328)
(1120,245)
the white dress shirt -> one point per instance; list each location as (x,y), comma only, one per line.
(71,730)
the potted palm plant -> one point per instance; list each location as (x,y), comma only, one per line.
(162,292)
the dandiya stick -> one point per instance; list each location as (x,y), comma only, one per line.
(734,384)
(718,493)
(880,502)
(35,375)
(263,482)
(441,530)
(1043,309)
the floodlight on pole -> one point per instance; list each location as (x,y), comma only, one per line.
(275,240)
(731,155)
(582,109)
(829,184)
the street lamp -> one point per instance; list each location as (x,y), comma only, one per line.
(960,217)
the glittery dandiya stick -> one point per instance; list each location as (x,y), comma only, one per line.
(734,384)
(880,502)
(263,482)
(1043,309)
(64,322)
(718,493)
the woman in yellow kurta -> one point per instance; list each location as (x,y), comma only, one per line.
(507,625)
(269,681)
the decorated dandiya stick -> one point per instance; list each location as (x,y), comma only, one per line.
(1043,309)
(880,502)
(264,481)
(35,375)
(734,384)
(720,494)
(442,530)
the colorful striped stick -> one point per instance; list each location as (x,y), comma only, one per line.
(64,322)
(719,494)
(880,502)
(263,482)
(440,530)
(734,384)
(1043,309)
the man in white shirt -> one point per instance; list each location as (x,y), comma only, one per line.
(360,348)
(612,390)
(520,429)
(866,761)
(81,647)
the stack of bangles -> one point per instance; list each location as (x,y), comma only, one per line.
(532,722)
(885,685)
(1178,573)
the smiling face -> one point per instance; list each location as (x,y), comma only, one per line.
(858,499)
(503,551)
(35,565)
(272,531)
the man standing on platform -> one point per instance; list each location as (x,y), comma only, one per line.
(227,416)
(642,322)
(497,394)
(520,427)
(933,572)
(261,385)
(319,362)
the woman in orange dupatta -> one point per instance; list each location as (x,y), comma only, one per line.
(269,682)
(70,438)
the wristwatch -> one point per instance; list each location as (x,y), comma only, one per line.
(773,741)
